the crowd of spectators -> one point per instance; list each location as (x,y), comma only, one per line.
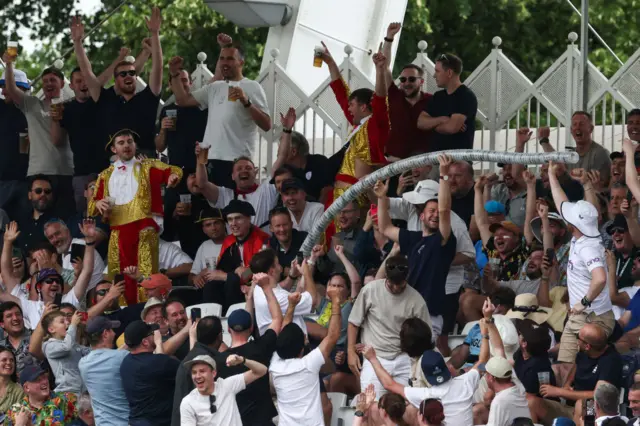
(150,277)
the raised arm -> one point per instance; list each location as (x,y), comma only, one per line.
(56,349)
(543,138)
(77,35)
(618,298)
(329,342)
(107,74)
(183,98)
(88,229)
(352,272)
(294,299)
(256,369)
(386,380)
(309,284)
(334,71)
(392,30)
(530,211)
(264,282)
(522,137)
(37,337)
(382,68)
(494,337)
(444,199)
(631,215)
(155,78)
(482,218)
(384,219)
(209,190)
(631,174)
(485,350)
(287,121)
(557,192)
(15,93)
(11,233)
(114,293)
(143,56)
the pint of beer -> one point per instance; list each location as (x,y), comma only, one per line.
(231,96)
(56,108)
(203,157)
(317,56)
(173,115)
(12,49)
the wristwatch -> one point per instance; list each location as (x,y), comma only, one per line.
(248,104)
(445,178)
(585,302)
(359,413)
(285,130)
(544,140)
(491,320)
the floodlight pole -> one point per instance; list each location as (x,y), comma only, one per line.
(584,52)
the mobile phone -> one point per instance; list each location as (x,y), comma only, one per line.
(550,254)
(300,258)
(608,244)
(117,278)
(629,197)
(57,300)
(16,252)
(196,314)
(77,251)
(588,412)
(374,210)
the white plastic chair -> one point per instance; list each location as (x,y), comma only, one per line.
(455,341)
(226,338)
(235,307)
(346,416)
(338,400)
(467,328)
(207,309)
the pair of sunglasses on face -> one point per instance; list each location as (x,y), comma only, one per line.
(39,191)
(411,79)
(123,74)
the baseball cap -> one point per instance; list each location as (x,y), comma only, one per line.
(201,359)
(137,331)
(532,333)
(21,79)
(506,224)
(425,190)
(154,301)
(31,373)
(101,323)
(156,281)
(619,222)
(499,368)
(495,207)
(239,320)
(583,215)
(293,183)
(434,368)
(563,421)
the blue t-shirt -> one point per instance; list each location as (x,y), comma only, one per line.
(149,381)
(474,340)
(99,372)
(634,307)
(429,263)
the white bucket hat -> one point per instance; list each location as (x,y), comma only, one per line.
(583,215)
(425,190)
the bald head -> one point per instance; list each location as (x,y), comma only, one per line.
(594,335)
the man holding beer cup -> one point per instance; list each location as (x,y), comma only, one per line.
(237,107)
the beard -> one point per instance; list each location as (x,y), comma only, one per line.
(534,275)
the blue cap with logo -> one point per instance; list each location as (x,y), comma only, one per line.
(494,207)
(434,368)
(240,320)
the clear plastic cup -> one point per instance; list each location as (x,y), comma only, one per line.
(173,115)
(211,263)
(317,56)
(544,378)
(185,198)
(12,49)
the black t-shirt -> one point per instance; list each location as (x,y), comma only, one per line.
(190,232)
(31,230)
(429,263)
(463,206)
(137,114)
(589,371)
(286,257)
(462,101)
(255,403)
(181,142)
(527,371)
(80,120)
(317,175)
(624,267)
(13,165)
(148,381)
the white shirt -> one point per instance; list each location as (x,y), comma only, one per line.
(585,255)
(310,216)
(262,199)
(231,132)
(631,291)
(32,309)
(456,396)
(195,408)
(298,389)
(507,405)
(207,250)
(171,256)
(98,264)
(123,185)
(263,317)
(404,210)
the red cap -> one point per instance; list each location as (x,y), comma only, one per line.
(156,281)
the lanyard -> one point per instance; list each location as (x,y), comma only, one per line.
(624,267)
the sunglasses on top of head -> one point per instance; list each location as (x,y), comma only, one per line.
(123,74)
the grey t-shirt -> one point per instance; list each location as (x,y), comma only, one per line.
(44,157)
(516,206)
(597,158)
(380,314)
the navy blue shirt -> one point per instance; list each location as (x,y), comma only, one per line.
(527,371)
(149,381)
(80,120)
(13,165)
(589,371)
(181,142)
(429,263)
(634,307)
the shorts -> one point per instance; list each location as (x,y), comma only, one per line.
(451,304)
(398,368)
(569,342)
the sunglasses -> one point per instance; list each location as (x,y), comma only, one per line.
(52,280)
(401,268)
(212,401)
(102,292)
(39,191)
(618,230)
(443,58)
(411,79)
(123,74)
